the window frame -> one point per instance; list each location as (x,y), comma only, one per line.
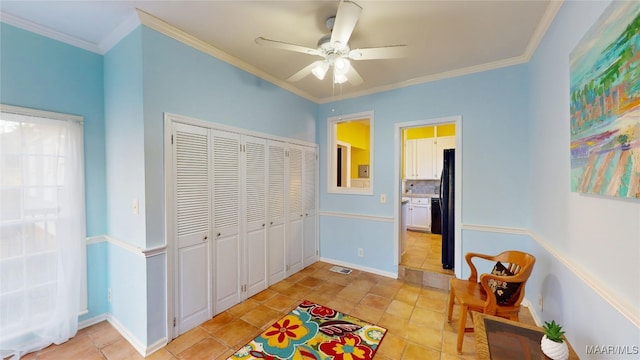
(22,111)
(332,143)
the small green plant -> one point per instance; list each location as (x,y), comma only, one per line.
(553,331)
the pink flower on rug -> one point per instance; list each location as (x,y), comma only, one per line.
(347,348)
(323,312)
(318,311)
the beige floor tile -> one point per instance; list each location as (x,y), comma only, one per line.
(207,349)
(392,346)
(237,333)
(352,294)
(427,318)
(79,347)
(105,335)
(425,336)
(311,282)
(121,350)
(162,354)
(218,323)
(400,309)
(367,313)
(184,341)
(261,316)
(243,308)
(375,301)
(264,295)
(417,352)
(281,302)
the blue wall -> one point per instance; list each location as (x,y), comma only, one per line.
(588,246)
(45,74)
(495,176)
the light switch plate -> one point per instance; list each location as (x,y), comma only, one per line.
(383,198)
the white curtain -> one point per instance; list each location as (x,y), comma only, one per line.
(42,230)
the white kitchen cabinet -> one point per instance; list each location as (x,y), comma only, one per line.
(423,157)
(419,159)
(419,214)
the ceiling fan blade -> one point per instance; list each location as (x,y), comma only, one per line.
(286,46)
(384,52)
(346,20)
(353,77)
(304,72)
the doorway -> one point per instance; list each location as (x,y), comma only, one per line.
(425,245)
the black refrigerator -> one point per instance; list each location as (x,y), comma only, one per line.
(447,200)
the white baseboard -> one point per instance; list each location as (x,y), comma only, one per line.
(361,268)
(92,321)
(141,349)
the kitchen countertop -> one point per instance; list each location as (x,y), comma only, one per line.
(408,197)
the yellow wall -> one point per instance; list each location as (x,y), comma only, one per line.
(357,134)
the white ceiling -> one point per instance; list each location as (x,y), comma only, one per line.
(445,38)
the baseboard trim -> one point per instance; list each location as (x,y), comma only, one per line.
(361,268)
(141,349)
(92,321)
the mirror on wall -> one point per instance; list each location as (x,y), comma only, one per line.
(350,153)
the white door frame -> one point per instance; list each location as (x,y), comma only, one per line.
(397,166)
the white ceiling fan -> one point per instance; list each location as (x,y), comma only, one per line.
(335,50)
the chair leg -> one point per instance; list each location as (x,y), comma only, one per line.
(451,301)
(461,327)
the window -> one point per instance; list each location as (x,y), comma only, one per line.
(41,228)
(350,154)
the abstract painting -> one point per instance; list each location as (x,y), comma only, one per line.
(605,105)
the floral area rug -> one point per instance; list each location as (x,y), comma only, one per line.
(313,331)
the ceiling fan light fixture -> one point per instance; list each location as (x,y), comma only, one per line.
(339,78)
(341,65)
(320,70)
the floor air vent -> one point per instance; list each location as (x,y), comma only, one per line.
(341,270)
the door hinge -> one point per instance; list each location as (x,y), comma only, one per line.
(171,139)
(174,322)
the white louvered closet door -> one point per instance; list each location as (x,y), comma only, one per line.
(192,216)
(295,213)
(276,212)
(310,176)
(226,219)
(255,214)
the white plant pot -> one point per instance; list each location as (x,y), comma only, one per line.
(554,350)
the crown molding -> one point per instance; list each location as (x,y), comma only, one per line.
(550,14)
(122,30)
(190,40)
(430,78)
(47,32)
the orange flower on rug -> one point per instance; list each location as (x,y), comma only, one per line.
(313,331)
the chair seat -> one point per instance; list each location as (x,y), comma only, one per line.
(473,296)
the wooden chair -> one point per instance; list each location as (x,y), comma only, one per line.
(478,296)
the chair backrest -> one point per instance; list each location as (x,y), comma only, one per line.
(520,264)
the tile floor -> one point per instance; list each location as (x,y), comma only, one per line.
(414,316)
(424,252)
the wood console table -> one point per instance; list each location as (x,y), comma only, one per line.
(498,338)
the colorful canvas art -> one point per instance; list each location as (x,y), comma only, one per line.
(605,105)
